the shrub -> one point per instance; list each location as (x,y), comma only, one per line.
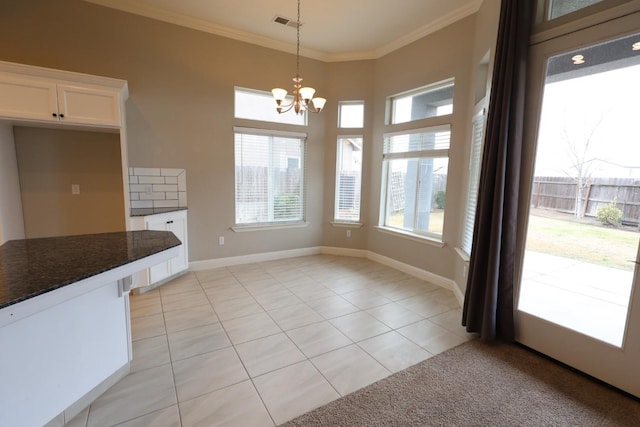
(440,199)
(286,206)
(609,214)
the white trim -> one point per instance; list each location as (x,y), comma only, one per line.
(271,226)
(202,25)
(67,76)
(269,132)
(356,253)
(411,236)
(458,293)
(462,254)
(458,14)
(550,30)
(346,224)
(413,271)
(428,129)
(436,154)
(252,258)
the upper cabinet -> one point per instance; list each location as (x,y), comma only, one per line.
(42,95)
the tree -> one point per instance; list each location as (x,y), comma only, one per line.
(579,144)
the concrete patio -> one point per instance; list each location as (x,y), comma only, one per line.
(587,298)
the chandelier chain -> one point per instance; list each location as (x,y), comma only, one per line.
(298,42)
(302,99)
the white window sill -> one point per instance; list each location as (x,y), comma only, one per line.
(263,227)
(411,236)
(346,224)
(462,254)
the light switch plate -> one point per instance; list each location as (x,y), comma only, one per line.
(75,188)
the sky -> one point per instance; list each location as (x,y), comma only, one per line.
(606,103)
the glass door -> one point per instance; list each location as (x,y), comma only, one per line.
(576,299)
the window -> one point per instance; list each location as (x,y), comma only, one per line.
(559,8)
(351,114)
(431,101)
(257,105)
(415,165)
(269,186)
(348,179)
(475,161)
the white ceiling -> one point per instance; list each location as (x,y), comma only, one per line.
(332,30)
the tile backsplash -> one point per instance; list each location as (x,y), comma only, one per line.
(157,188)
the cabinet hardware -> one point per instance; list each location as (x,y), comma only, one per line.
(54,115)
(169,222)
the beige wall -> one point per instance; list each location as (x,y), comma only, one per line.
(437,57)
(49,162)
(484,37)
(11,224)
(347,81)
(180,114)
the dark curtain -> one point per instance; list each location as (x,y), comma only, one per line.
(489,299)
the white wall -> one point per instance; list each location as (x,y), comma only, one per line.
(11,220)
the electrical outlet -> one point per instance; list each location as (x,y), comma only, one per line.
(221,241)
(348,233)
(75,188)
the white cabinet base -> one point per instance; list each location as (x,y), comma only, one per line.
(159,274)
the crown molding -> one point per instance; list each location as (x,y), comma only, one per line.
(430,28)
(243,36)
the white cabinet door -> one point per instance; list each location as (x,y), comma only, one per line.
(178,225)
(87,105)
(163,270)
(28,98)
(176,222)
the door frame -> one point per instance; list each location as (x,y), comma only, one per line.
(604,361)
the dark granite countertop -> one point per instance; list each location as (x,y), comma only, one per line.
(33,267)
(153,211)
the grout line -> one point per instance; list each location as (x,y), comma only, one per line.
(312,274)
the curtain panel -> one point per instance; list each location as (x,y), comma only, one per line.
(489,297)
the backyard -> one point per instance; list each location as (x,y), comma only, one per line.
(561,234)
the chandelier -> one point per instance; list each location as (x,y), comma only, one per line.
(303,99)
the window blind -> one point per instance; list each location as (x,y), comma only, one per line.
(348,179)
(269,175)
(477,139)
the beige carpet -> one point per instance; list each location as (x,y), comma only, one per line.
(479,384)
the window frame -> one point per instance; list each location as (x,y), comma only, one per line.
(336,205)
(268,225)
(343,103)
(303,121)
(432,87)
(435,153)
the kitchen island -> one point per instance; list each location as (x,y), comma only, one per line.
(65,333)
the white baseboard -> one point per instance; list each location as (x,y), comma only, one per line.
(458,293)
(251,258)
(329,250)
(357,253)
(413,271)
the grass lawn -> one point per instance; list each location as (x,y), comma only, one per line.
(596,244)
(436,220)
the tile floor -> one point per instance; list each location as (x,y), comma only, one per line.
(259,344)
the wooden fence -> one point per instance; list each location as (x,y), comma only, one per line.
(559,193)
